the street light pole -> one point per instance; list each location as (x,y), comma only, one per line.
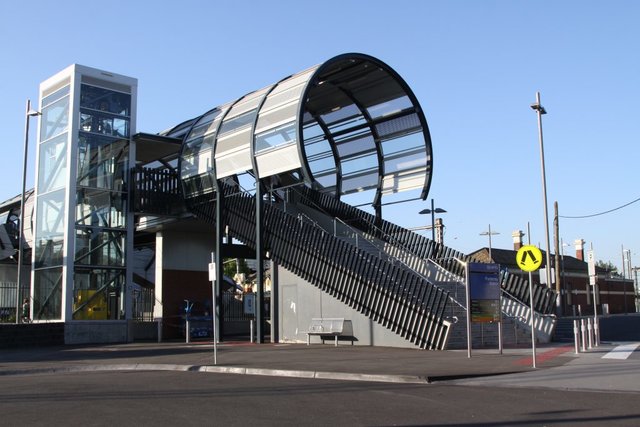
(540,111)
(567,298)
(28,113)
(433,211)
(626,267)
(489,233)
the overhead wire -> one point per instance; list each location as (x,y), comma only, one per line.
(601,213)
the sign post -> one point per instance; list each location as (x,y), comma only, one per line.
(529,258)
(214,307)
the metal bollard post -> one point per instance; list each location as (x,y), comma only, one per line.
(589,329)
(576,336)
(251,330)
(584,337)
(187,332)
(159,321)
(596,332)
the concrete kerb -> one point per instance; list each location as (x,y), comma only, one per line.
(372,365)
(97,368)
(407,379)
(341,376)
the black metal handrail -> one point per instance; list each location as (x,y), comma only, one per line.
(421,247)
(388,293)
(155,191)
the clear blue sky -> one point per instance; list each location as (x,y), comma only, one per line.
(475,67)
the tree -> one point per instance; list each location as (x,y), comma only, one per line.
(609,267)
(230,267)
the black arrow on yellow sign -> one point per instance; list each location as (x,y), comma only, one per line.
(529,253)
(529,258)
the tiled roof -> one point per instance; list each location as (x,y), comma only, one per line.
(507,258)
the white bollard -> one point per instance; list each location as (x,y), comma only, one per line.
(576,335)
(589,330)
(187,332)
(596,332)
(584,335)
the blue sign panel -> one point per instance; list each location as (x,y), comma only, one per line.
(484,292)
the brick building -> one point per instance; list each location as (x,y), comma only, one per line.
(614,294)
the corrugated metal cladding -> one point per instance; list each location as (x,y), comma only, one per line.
(348,125)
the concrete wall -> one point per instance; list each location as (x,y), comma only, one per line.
(186,250)
(58,333)
(300,302)
(144,331)
(99,332)
(31,334)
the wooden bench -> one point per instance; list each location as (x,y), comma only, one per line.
(330,327)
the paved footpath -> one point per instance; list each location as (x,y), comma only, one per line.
(293,360)
(611,367)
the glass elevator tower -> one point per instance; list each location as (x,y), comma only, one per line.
(83,224)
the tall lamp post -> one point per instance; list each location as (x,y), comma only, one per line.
(28,114)
(489,233)
(626,268)
(539,109)
(567,294)
(433,211)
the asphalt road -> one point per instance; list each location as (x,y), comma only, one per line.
(145,398)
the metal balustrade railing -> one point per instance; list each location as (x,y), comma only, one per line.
(518,288)
(155,191)
(9,299)
(407,243)
(379,268)
(389,293)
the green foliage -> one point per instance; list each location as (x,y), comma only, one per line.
(608,265)
(234,265)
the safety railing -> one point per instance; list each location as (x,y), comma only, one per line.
(155,191)
(404,242)
(389,293)
(9,299)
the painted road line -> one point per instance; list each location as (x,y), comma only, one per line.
(622,351)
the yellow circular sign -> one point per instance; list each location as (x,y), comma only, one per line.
(529,258)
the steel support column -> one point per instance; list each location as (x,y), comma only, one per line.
(259,267)
(220,228)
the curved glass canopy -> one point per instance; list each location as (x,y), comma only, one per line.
(348,125)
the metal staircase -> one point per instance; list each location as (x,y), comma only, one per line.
(398,278)
(444,267)
(418,252)
(386,291)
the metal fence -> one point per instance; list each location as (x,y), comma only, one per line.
(233,307)
(8,301)
(143,301)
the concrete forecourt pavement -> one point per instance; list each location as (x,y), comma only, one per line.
(419,387)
